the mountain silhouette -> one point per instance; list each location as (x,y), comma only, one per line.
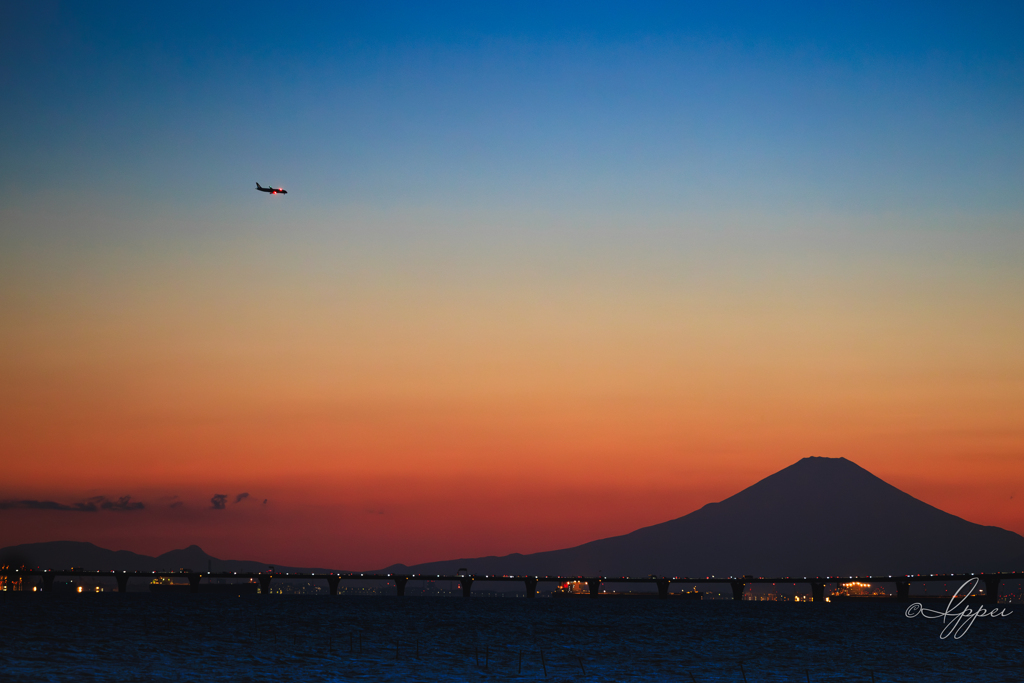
(819,516)
(1017,564)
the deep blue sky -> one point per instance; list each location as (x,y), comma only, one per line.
(856,107)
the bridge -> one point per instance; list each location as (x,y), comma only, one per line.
(738,584)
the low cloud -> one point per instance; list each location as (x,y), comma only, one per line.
(264,501)
(45,505)
(219,501)
(240,497)
(95,504)
(122,504)
(176,504)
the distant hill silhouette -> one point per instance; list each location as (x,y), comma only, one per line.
(816,517)
(66,554)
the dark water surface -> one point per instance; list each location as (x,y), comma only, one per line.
(141,637)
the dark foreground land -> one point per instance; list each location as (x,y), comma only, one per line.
(141,637)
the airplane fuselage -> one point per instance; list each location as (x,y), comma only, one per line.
(271,190)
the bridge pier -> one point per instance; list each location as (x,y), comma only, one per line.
(193,582)
(332,583)
(264,584)
(737,589)
(902,591)
(991,588)
(467,584)
(48,582)
(531,587)
(594,585)
(817,591)
(122,583)
(400,582)
(663,588)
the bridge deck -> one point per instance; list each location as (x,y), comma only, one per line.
(355,576)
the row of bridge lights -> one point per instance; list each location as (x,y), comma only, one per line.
(506,576)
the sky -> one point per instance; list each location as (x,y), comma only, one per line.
(544,273)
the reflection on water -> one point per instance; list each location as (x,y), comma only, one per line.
(140,637)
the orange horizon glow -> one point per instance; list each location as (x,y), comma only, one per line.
(407,414)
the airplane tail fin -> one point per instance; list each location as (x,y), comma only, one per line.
(258,186)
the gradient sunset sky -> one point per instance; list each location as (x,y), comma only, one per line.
(545,273)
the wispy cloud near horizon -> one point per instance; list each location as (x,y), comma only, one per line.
(94,504)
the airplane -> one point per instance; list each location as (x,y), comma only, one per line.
(271,190)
